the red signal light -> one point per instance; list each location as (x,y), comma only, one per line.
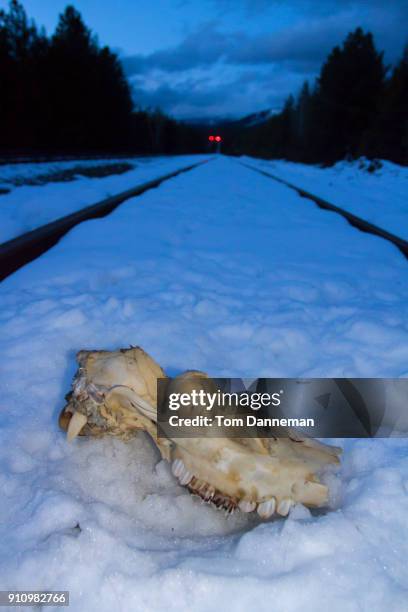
(211,138)
(218,138)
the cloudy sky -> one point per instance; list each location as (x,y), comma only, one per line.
(205,58)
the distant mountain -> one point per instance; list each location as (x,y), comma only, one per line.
(227,122)
(206,121)
(254,118)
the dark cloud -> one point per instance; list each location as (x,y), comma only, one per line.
(181,96)
(237,69)
(247,91)
(302,45)
(207,46)
(306,7)
(203,47)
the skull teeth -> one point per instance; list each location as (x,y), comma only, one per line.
(266,508)
(210,495)
(77,422)
(284,506)
(246,506)
(180,471)
(185,478)
(177,467)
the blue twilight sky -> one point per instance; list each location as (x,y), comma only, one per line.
(205,58)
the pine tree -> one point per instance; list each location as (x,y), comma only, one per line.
(22,52)
(90,95)
(303,149)
(348,91)
(390,132)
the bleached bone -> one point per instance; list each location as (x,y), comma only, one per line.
(116,393)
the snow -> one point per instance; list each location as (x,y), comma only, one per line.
(379,196)
(27,207)
(223,270)
(13,174)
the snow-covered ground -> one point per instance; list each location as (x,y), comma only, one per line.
(29,206)
(12,174)
(223,270)
(380,197)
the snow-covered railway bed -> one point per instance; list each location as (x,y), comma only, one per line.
(30,206)
(19,251)
(223,270)
(354,220)
(373,190)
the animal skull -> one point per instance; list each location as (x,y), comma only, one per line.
(116,393)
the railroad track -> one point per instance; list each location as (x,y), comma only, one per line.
(358,222)
(19,251)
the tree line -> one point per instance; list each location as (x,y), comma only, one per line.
(66,93)
(356,107)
